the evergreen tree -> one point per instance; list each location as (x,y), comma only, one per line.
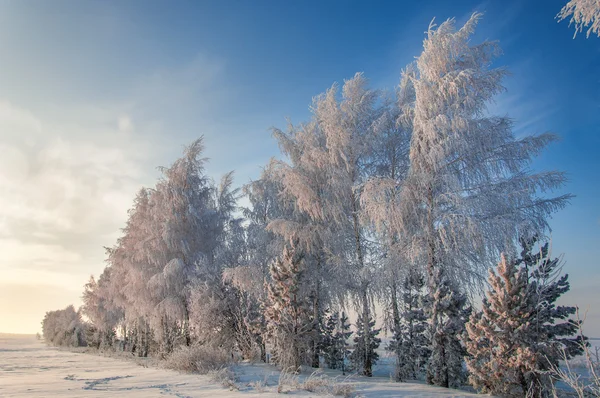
(449,313)
(287,312)
(410,342)
(342,336)
(328,342)
(554,334)
(520,334)
(365,343)
(335,341)
(500,357)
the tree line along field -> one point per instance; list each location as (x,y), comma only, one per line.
(416,199)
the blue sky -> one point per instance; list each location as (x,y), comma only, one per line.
(95,94)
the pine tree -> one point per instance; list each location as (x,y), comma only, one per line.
(335,341)
(520,315)
(554,336)
(500,356)
(449,313)
(410,342)
(328,342)
(342,335)
(287,312)
(365,343)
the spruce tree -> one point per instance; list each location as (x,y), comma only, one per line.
(449,313)
(328,342)
(410,342)
(335,347)
(500,356)
(553,334)
(287,312)
(520,334)
(364,356)
(342,336)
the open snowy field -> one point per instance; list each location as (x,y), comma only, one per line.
(30,369)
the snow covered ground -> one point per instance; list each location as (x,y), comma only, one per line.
(30,369)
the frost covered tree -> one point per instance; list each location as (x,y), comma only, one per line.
(329,157)
(64,328)
(342,336)
(131,267)
(364,356)
(245,322)
(518,338)
(179,235)
(584,14)
(448,314)
(455,213)
(186,219)
(410,342)
(101,311)
(347,128)
(288,310)
(218,307)
(328,343)
(455,210)
(335,341)
(500,357)
(262,246)
(304,191)
(380,195)
(554,335)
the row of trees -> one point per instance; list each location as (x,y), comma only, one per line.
(403,198)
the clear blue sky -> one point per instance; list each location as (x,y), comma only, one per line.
(94,94)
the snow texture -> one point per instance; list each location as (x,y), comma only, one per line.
(30,369)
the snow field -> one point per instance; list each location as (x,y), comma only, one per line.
(30,369)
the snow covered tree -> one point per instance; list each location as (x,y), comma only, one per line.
(554,336)
(64,328)
(249,325)
(364,356)
(517,339)
(410,342)
(387,169)
(328,343)
(342,336)
(262,247)
(287,310)
(347,128)
(179,234)
(131,266)
(501,358)
(335,341)
(583,13)
(186,217)
(449,313)
(219,307)
(454,208)
(100,310)
(454,212)
(304,191)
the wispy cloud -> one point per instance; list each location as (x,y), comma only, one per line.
(69,171)
(62,189)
